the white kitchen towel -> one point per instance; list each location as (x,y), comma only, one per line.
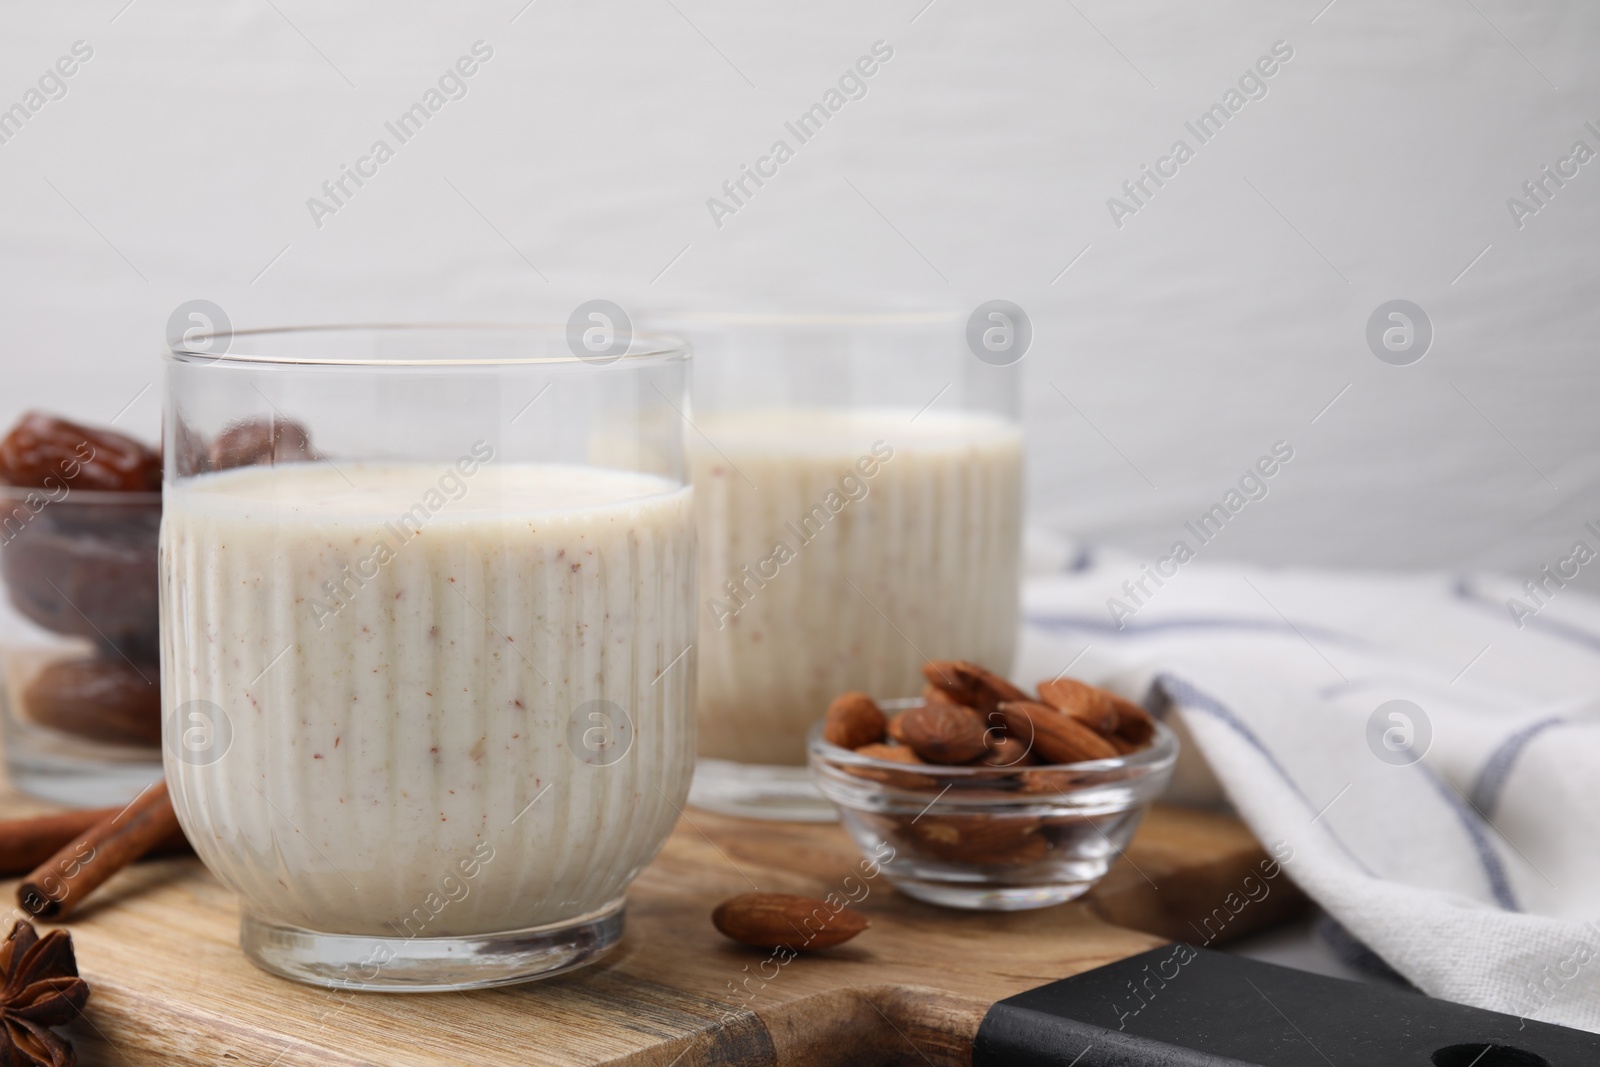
(1473,871)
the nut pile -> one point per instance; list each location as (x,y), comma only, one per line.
(973,717)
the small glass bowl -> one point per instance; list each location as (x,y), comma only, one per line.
(80,697)
(992,838)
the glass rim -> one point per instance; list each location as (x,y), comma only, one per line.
(659,347)
(675,316)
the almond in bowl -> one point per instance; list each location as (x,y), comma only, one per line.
(992,797)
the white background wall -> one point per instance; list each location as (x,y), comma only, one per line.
(1223,317)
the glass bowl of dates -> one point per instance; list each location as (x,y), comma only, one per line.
(80,525)
(985,796)
(80,696)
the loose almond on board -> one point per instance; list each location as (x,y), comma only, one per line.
(853,720)
(783,920)
(944,733)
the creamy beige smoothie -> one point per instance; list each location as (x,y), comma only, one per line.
(414,662)
(838,551)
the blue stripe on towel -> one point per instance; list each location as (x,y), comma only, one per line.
(1493,869)
(1497,768)
(1353,952)
(1186,695)
(1139,629)
(1555,628)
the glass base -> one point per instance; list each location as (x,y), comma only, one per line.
(431,964)
(759,791)
(991,898)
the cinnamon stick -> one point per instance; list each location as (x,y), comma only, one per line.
(62,882)
(26,843)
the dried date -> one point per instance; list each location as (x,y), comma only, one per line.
(43,452)
(103,698)
(88,569)
(266,440)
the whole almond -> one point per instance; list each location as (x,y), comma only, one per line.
(1099,709)
(1134,724)
(1006,751)
(943,676)
(896,730)
(853,720)
(944,733)
(1053,735)
(1045,781)
(970,684)
(1091,706)
(783,920)
(980,838)
(897,779)
(896,753)
(1030,849)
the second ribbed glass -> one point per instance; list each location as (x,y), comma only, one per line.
(858,485)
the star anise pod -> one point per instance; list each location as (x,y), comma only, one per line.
(41,989)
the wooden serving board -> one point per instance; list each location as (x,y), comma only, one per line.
(159,946)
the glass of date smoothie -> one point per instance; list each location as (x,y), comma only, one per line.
(427,642)
(858,486)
